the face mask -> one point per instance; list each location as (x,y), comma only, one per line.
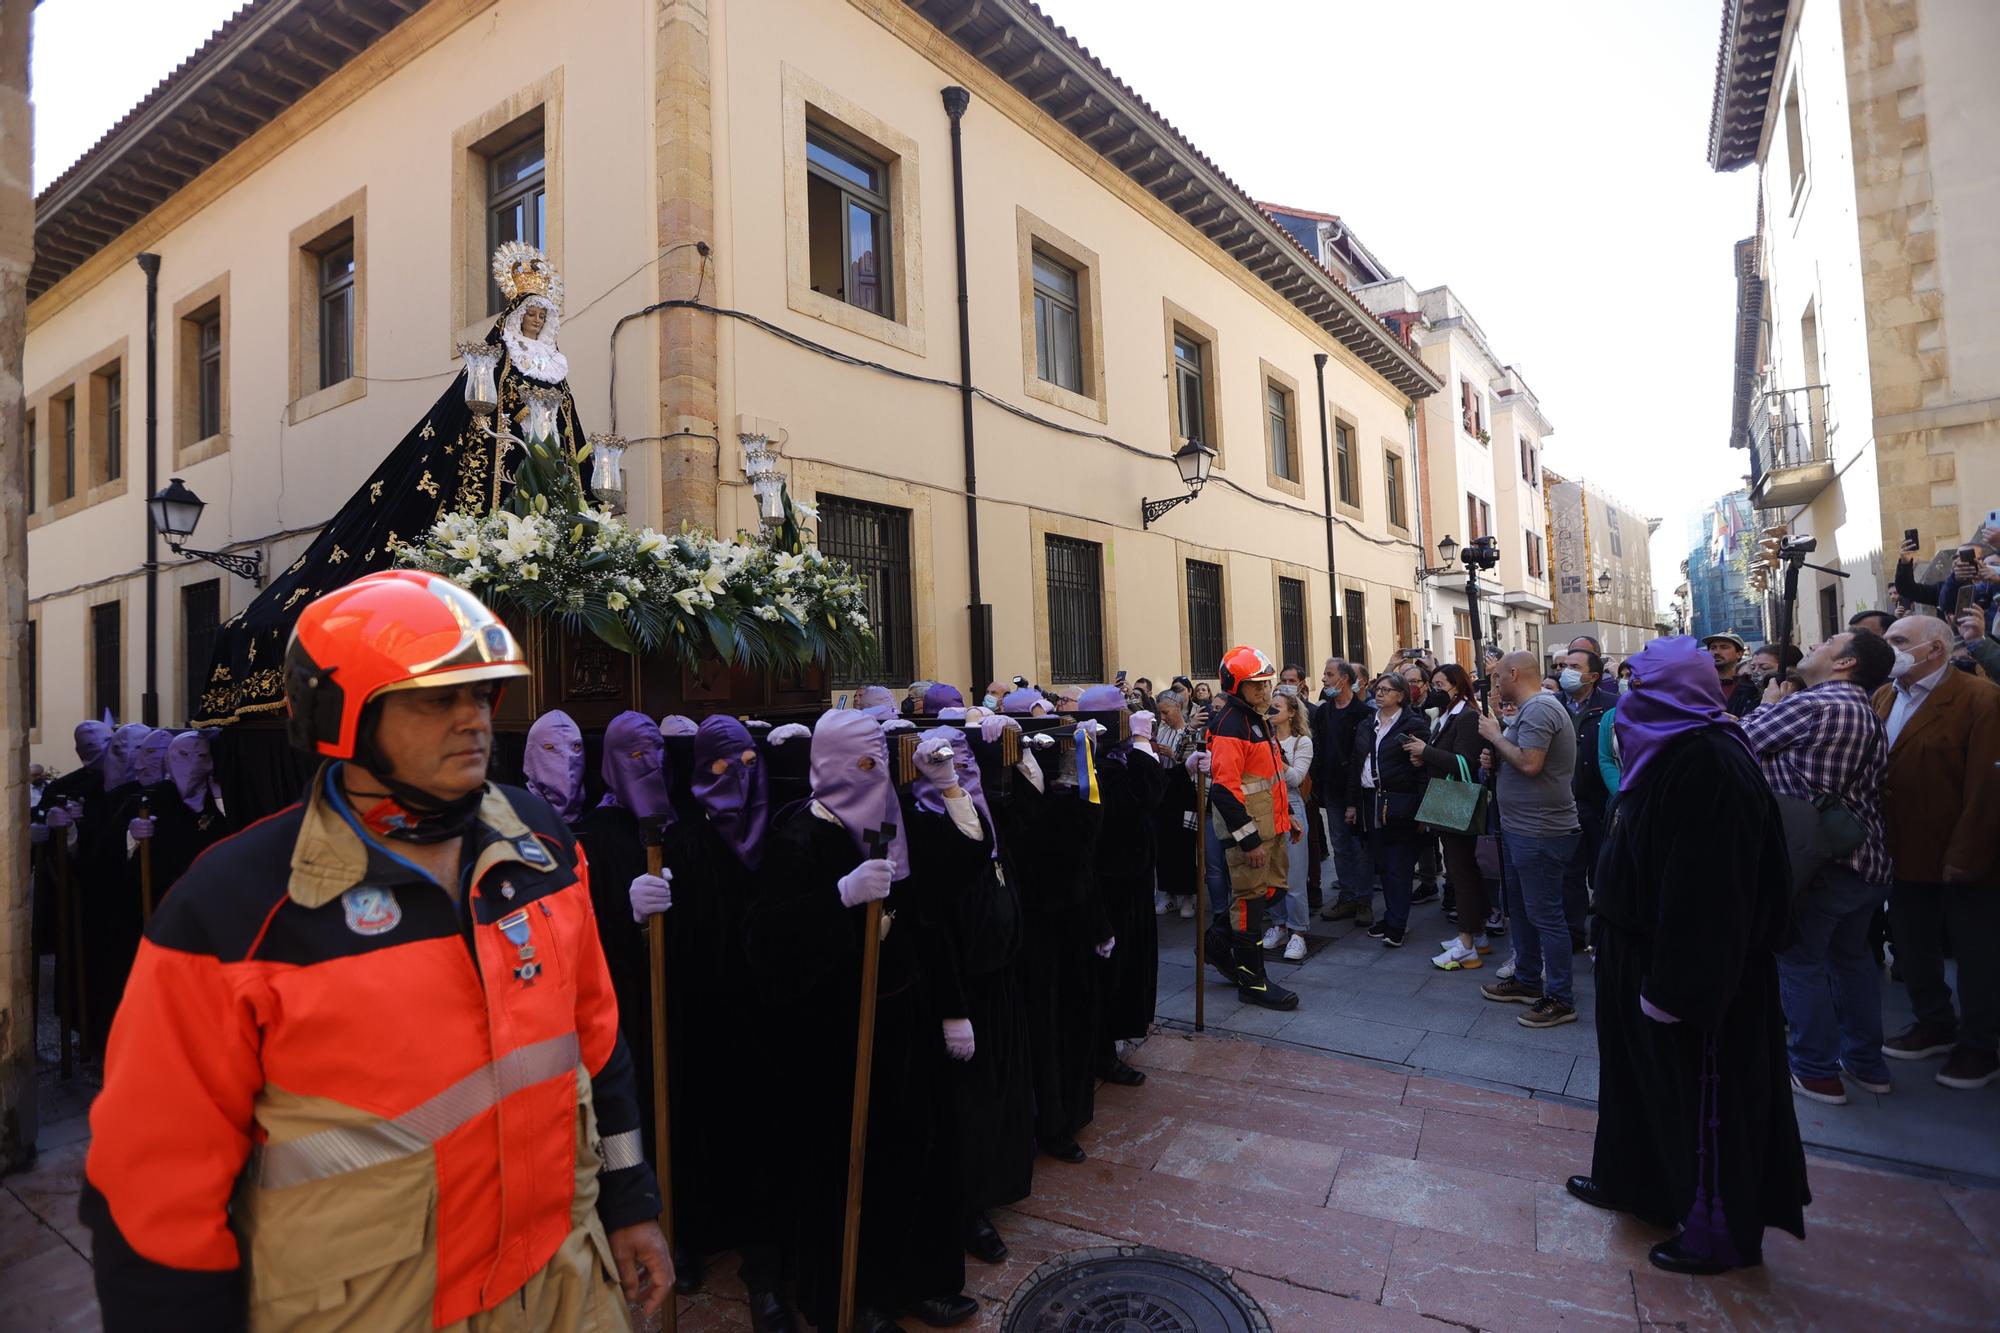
(990,702)
(1572,680)
(1328,692)
(1903,664)
(1291,690)
(1625,685)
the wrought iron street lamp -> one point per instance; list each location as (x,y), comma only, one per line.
(175,512)
(1447,556)
(1194,459)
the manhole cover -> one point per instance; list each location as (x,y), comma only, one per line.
(1131,1289)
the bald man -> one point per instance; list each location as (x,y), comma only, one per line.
(1940,805)
(1535,754)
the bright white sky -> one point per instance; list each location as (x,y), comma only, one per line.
(1543,157)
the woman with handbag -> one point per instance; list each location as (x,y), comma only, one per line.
(1452,754)
(1294,732)
(1384,789)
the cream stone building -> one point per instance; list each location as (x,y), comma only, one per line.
(1867,339)
(1601,568)
(322,182)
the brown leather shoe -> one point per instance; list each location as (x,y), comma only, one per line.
(1920,1041)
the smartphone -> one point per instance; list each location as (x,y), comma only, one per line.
(1910,536)
(1119,679)
(1968,599)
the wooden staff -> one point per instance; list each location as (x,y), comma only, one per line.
(66,960)
(663,1156)
(1200,896)
(145,868)
(857,1141)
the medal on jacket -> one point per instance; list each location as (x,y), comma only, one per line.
(515,928)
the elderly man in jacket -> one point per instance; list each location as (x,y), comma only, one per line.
(1941,805)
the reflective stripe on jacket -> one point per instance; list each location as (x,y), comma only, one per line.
(335,1096)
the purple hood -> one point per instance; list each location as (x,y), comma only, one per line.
(554,763)
(1675,691)
(735,799)
(851,779)
(190,766)
(92,740)
(152,765)
(634,769)
(931,798)
(122,757)
(940,697)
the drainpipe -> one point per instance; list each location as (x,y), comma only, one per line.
(149,702)
(1326,482)
(956,100)
(1419,478)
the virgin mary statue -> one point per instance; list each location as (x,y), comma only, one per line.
(450,460)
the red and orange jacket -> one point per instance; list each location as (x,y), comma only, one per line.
(333,1087)
(1244,759)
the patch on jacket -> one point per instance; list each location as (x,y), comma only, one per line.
(371,911)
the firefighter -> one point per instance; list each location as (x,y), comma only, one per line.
(1248,793)
(368,1071)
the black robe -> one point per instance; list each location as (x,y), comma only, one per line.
(179,835)
(805,954)
(616,855)
(724,1089)
(1692,897)
(1175,835)
(1051,842)
(987,1121)
(1131,785)
(85,784)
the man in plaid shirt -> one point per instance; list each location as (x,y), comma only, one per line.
(1826,740)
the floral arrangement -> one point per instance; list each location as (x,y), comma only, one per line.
(554,555)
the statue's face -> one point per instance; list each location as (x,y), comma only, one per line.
(532,320)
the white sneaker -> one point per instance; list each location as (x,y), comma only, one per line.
(1456,957)
(1159,903)
(1295,949)
(1274,937)
(1506,972)
(1187,907)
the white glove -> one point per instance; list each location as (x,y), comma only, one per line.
(1197,764)
(866,883)
(651,894)
(139,829)
(1095,729)
(935,758)
(61,816)
(994,726)
(898,724)
(1104,949)
(38,833)
(779,735)
(958,1038)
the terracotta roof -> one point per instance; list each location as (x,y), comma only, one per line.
(1745,65)
(1040,59)
(269,54)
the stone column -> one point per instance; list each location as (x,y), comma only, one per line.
(683,143)
(18,1118)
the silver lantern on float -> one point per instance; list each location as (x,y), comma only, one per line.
(482,377)
(607,471)
(543,402)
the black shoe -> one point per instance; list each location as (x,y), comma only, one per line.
(687,1271)
(1221,949)
(1256,987)
(874,1321)
(1583,1187)
(1122,1074)
(1067,1151)
(945,1311)
(982,1241)
(1424,895)
(770,1314)
(1378,930)
(1392,938)
(1669,1255)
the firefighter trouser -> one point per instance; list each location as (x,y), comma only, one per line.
(1253,888)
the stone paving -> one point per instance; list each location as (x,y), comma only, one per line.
(1390,1156)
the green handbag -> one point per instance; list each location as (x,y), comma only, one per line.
(1454,807)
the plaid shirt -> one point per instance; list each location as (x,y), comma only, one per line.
(1827,741)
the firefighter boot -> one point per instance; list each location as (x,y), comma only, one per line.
(1221,951)
(1253,987)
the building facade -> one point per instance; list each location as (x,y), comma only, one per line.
(322,186)
(1722,547)
(1602,571)
(1867,344)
